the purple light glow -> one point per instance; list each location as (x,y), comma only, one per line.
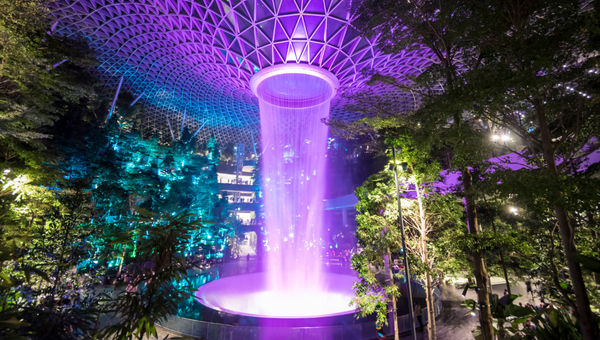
(248,295)
(193,59)
(293,99)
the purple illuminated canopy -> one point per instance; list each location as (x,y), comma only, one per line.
(191,61)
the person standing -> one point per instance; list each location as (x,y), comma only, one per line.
(419,315)
(380,332)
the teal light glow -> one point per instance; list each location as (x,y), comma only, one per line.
(164,179)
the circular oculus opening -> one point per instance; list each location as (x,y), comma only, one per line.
(294,85)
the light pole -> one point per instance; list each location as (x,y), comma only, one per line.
(404,258)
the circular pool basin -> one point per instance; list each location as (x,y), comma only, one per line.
(247,295)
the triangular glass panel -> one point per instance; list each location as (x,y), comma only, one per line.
(252,58)
(305,56)
(264,8)
(288,7)
(261,38)
(315,6)
(329,52)
(248,37)
(267,52)
(262,12)
(282,49)
(300,31)
(229,37)
(184,8)
(248,46)
(327,61)
(341,10)
(249,5)
(362,44)
(264,61)
(214,6)
(267,27)
(280,33)
(197,11)
(289,23)
(311,23)
(350,46)
(299,50)
(339,60)
(315,49)
(333,26)
(236,47)
(336,38)
(242,22)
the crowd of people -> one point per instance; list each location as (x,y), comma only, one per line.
(339,256)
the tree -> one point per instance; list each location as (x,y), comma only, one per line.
(41,77)
(129,172)
(40,290)
(158,276)
(547,95)
(425,213)
(402,26)
(378,237)
(67,190)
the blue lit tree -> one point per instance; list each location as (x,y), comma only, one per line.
(130,173)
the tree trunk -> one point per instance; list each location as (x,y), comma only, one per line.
(567,234)
(394,307)
(502,263)
(431,328)
(123,253)
(555,279)
(505,272)
(479,267)
(31,220)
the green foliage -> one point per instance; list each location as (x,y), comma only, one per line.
(376,233)
(41,244)
(517,322)
(551,323)
(378,230)
(495,72)
(158,276)
(130,173)
(33,93)
(536,248)
(371,296)
(71,194)
(50,230)
(42,204)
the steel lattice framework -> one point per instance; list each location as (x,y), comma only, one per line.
(190,61)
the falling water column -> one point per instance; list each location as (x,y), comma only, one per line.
(293,99)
